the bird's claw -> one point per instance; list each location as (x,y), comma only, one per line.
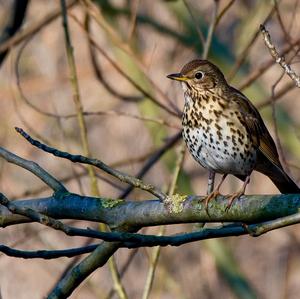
(210,197)
(231,199)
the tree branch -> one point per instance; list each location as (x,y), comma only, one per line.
(76,275)
(46,254)
(132,240)
(123,177)
(120,213)
(33,167)
(16,16)
(279,59)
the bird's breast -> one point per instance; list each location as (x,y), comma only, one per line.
(216,137)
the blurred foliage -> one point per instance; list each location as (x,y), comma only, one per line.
(165,37)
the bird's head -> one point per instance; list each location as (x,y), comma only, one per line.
(199,75)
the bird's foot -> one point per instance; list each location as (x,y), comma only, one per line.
(232,197)
(210,197)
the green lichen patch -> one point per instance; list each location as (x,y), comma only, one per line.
(175,203)
(109,203)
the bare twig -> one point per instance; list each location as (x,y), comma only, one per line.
(245,53)
(125,114)
(33,167)
(278,58)
(34,28)
(76,96)
(137,183)
(76,275)
(98,71)
(156,251)
(27,125)
(278,142)
(123,270)
(198,29)
(132,27)
(17,14)
(212,25)
(116,277)
(124,47)
(46,254)
(211,29)
(153,159)
(284,90)
(19,85)
(261,69)
(286,33)
(225,9)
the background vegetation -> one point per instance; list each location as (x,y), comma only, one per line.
(123,51)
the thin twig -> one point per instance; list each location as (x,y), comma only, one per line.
(16,15)
(116,277)
(132,27)
(283,91)
(19,85)
(117,40)
(34,28)
(211,29)
(225,9)
(245,53)
(33,167)
(39,189)
(67,146)
(286,34)
(123,270)
(156,251)
(123,177)
(278,142)
(278,58)
(153,160)
(46,254)
(76,96)
(98,71)
(208,41)
(27,125)
(198,29)
(125,114)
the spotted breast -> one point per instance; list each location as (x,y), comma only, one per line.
(215,135)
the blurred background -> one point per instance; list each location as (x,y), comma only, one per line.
(123,52)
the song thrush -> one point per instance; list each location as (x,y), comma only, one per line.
(223,130)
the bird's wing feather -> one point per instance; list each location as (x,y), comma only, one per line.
(258,130)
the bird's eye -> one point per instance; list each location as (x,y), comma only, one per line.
(199,75)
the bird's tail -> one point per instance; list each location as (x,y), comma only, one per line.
(280,178)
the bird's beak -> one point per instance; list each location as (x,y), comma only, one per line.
(177,77)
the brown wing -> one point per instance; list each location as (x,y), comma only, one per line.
(257,128)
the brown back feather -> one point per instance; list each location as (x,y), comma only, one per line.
(258,129)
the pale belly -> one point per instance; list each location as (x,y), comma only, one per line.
(223,154)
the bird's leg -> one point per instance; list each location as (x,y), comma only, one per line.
(238,194)
(211,182)
(214,194)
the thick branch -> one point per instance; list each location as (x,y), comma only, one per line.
(76,275)
(119,213)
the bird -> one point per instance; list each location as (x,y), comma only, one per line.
(224,131)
